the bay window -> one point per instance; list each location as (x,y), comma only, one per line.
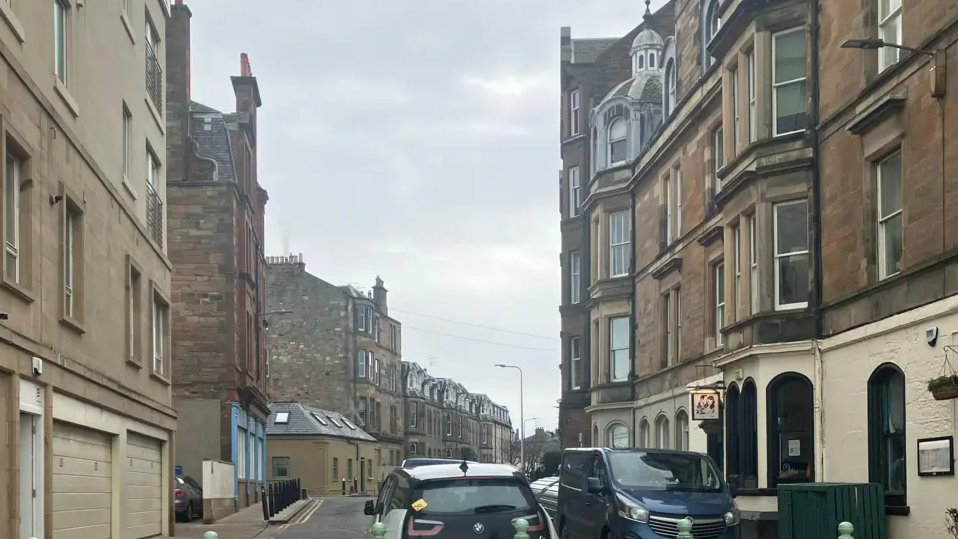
(788,82)
(619,244)
(719,285)
(618,131)
(619,348)
(791,254)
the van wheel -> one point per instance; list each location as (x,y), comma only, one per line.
(563,532)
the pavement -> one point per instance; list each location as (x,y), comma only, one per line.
(248,523)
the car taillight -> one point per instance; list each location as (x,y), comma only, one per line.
(423,528)
(536,522)
(178,493)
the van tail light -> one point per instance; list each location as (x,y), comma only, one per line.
(179,493)
(536,522)
(423,528)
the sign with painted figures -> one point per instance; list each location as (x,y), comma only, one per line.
(705,405)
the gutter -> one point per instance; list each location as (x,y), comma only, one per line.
(632,318)
(819,372)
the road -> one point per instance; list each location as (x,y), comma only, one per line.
(341,518)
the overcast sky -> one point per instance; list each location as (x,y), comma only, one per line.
(418,140)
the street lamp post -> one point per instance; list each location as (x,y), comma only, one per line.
(522,424)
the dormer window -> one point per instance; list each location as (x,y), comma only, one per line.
(641,59)
(618,131)
(670,83)
(651,60)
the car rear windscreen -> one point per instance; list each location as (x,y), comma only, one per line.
(474,496)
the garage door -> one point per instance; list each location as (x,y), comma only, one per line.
(82,483)
(142,487)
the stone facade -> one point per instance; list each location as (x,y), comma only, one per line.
(216,209)
(445,420)
(336,348)
(85,278)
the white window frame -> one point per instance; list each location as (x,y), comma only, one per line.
(159,336)
(448,423)
(667,320)
(61,41)
(575,192)
(69,268)
(752,109)
(718,156)
(361,359)
(153,162)
(623,139)
(776,86)
(889,56)
(669,201)
(574,106)
(671,81)
(737,269)
(677,193)
(883,270)
(575,277)
(735,111)
(575,357)
(619,244)
(662,433)
(12,205)
(778,257)
(677,295)
(754,288)
(412,414)
(719,276)
(127,142)
(613,352)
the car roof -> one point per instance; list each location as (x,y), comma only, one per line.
(452,471)
(427,462)
(652,450)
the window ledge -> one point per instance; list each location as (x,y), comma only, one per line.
(129,187)
(897,510)
(157,376)
(155,114)
(6,13)
(19,290)
(73,324)
(134,362)
(61,90)
(128,27)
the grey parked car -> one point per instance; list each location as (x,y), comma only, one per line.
(188,498)
(546,490)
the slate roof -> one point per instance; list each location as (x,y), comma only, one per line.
(585,51)
(210,131)
(302,421)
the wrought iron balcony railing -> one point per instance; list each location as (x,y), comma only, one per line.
(154,79)
(154,214)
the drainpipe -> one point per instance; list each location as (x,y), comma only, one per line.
(814,36)
(632,318)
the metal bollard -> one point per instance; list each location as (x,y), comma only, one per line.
(262,499)
(379,530)
(272,499)
(521,525)
(685,529)
(344,486)
(845,530)
(210,535)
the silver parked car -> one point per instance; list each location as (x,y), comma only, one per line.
(546,491)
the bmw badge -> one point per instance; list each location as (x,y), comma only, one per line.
(478,528)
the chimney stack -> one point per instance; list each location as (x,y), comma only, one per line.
(379,296)
(565,44)
(178,91)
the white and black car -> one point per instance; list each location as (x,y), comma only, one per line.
(454,501)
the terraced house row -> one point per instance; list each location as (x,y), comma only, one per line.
(759,215)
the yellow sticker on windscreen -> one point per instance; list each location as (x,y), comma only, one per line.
(419,504)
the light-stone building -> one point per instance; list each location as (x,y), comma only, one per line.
(84,279)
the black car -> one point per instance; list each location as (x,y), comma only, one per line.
(457,500)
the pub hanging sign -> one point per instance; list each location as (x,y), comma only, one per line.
(705,405)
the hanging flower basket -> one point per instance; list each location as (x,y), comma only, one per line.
(944,388)
(711,426)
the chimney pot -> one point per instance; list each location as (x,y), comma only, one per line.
(245,70)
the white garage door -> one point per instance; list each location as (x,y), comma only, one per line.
(142,487)
(82,483)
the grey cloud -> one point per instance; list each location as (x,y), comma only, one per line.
(417,140)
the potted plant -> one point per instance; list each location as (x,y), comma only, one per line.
(944,388)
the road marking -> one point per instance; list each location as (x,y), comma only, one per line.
(307,514)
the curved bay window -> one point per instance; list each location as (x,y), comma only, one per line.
(618,435)
(662,433)
(741,422)
(644,433)
(886,432)
(790,437)
(682,430)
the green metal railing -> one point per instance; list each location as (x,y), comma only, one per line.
(521,525)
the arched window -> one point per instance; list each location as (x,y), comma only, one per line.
(641,60)
(662,432)
(682,430)
(618,435)
(651,60)
(790,422)
(886,432)
(617,133)
(710,26)
(595,434)
(732,433)
(644,433)
(670,82)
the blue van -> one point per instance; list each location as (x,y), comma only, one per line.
(642,494)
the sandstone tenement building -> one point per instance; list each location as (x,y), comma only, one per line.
(216,229)
(336,348)
(758,210)
(85,363)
